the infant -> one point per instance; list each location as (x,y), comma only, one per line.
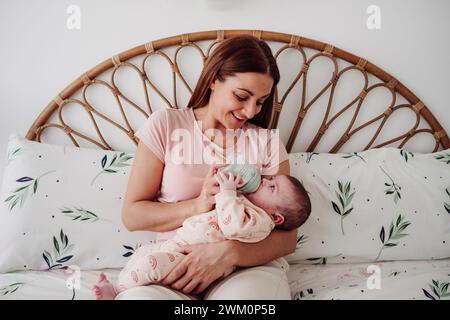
(279,202)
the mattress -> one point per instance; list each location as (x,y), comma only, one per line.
(388,280)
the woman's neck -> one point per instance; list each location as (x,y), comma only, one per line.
(205,116)
(208,121)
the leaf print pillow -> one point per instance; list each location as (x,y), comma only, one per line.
(61,206)
(380,204)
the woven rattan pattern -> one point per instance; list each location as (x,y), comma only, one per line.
(288,42)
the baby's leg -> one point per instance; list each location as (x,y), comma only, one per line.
(149,266)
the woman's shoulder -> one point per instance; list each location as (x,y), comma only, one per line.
(172,117)
(171,112)
(181,114)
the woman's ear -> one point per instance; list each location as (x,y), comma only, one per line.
(213,85)
(277,218)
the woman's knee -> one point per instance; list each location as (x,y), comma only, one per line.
(266,282)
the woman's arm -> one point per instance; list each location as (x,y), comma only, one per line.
(278,244)
(139,212)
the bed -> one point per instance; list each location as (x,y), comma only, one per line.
(103,108)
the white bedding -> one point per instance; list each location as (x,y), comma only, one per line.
(405,280)
(399,280)
(49,285)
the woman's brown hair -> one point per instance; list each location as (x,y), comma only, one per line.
(237,55)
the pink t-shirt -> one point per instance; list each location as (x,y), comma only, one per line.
(176,138)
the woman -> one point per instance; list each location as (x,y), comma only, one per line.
(235,91)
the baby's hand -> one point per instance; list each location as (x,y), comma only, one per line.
(228,183)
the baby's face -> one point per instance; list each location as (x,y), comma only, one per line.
(269,193)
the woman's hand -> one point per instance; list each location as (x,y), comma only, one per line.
(203,264)
(205,201)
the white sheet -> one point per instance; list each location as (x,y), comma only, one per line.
(399,280)
(405,280)
(50,285)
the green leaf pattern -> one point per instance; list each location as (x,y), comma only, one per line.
(115,164)
(301,295)
(345,198)
(393,188)
(130,249)
(444,157)
(446,204)
(11,155)
(406,154)
(395,233)
(302,239)
(440,290)
(310,155)
(61,251)
(79,214)
(354,154)
(9,289)
(20,194)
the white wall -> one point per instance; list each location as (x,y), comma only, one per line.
(39,55)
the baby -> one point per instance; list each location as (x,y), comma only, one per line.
(279,202)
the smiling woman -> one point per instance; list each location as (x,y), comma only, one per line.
(235,92)
(243,70)
(233,104)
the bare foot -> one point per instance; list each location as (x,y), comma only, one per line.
(103,290)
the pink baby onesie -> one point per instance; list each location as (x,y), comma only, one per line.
(234,218)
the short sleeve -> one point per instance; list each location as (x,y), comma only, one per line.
(274,154)
(153,133)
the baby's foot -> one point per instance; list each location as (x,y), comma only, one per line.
(103,290)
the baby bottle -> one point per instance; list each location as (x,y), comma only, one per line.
(251,176)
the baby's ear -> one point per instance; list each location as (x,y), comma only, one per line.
(277,218)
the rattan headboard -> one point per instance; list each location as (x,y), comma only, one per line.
(342,63)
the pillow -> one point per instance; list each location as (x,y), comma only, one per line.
(380,204)
(61,206)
